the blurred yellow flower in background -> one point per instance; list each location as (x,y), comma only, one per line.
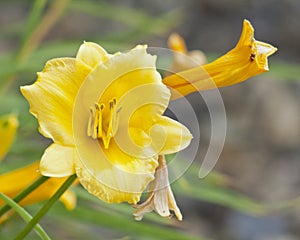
(182,58)
(12,183)
(8,128)
(247,59)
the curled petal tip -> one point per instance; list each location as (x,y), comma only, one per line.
(247,22)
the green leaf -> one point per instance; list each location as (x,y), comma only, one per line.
(34,221)
(25,215)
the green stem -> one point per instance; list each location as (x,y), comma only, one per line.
(25,215)
(24,193)
(46,207)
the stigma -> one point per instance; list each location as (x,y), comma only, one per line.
(96,128)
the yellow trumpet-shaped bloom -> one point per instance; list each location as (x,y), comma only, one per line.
(8,128)
(247,59)
(104,114)
(12,183)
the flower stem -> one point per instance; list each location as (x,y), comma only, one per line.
(46,207)
(24,193)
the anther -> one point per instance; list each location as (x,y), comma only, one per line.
(96,121)
(91,121)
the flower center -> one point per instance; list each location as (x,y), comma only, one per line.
(97,129)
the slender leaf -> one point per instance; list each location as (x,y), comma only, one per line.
(34,221)
(25,215)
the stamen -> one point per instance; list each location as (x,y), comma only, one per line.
(96,121)
(95,128)
(91,122)
(109,134)
(99,130)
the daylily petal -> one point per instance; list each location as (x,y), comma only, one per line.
(14,182)
(91,54)
(8,128)
(177,136)
(57,161)
(116,177)
(165,136)
(52,97)
(247,59)
(141,109)
(121,74)
(151,101)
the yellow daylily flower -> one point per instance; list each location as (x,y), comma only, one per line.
(247,59)
(8,128)
(12,183)
(104,114)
